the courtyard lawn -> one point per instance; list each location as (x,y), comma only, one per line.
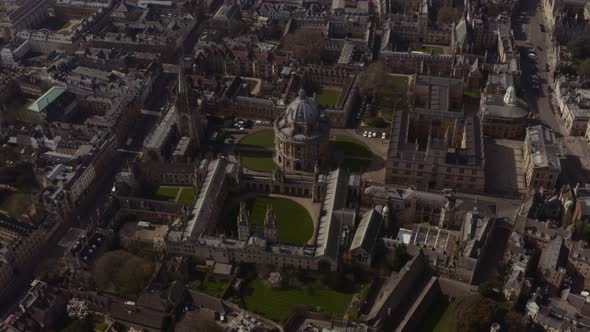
(295,223)
(183,195)
(260,139)
(471,93)
(166,193)
(187,195)
(276,304)
(212,286)
(259,161)
(328,96)
(447,321)
(430,49)
(357,155)
(252,84)
(16,204)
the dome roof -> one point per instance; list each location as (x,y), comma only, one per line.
(302,111)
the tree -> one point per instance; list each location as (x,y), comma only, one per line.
(513,322)
(373,79)
(306,44)
(448,15)
(122,272)
(475,313)
(486,289)
(584,68)
(401,257)
(580,47)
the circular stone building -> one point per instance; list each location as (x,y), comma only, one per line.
(301,136)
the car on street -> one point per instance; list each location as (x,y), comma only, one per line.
(365,134)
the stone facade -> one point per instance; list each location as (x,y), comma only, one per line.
(301,136)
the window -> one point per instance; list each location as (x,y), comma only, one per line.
(420,166)
(461,171)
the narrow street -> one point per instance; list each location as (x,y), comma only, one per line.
(529,34)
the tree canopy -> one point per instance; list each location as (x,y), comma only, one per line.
(584,68)
(306,44)
(580,47)
(475,313)
(448,15)
(122,272)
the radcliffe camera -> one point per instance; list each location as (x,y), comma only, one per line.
(297,166)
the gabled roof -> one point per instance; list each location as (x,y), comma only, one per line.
(367,231)
(46,99)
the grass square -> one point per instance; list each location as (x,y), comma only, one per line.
(187,195)
(276,304)
(328,96)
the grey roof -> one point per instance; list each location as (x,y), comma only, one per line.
(550,255)
(303,110)
(207,195)
(158,137)
(461,31)
(328,233)
(494,106)
(367,232)
(207,301)
(137,315)
(543,146)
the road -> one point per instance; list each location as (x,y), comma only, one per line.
(95,209)
(528,35)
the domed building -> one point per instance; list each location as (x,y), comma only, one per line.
(301,136)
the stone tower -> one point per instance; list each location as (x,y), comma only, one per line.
(188,117)
(243,223)
(270,226)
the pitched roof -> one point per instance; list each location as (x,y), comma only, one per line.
(367,231)
(46,99)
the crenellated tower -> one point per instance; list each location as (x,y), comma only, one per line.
(270,226)
(243,222)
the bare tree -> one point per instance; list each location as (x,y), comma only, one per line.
(372,79)
(306,44)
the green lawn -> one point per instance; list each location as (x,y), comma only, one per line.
(212,286)
(295,223)
(276,304)
(328,96)
(251,84)
(430,49)
(259,161)
(441,318)
(357,155)
(100,326)
(187,195)
(470,93)
(169,194)
(16,204)
(261,139)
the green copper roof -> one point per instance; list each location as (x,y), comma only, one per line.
(46,99)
